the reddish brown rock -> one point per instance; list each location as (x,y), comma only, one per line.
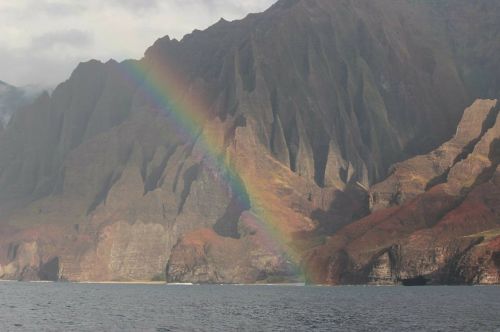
(414,176)
(445,235)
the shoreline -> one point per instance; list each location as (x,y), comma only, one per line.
(116,282)
(163,283)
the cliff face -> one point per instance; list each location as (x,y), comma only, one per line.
(310,101)
(445,232)
(417,175)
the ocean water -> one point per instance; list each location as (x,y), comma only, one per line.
(107,307)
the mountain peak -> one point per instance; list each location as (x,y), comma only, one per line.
(4,84)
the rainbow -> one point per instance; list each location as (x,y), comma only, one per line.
(166,88)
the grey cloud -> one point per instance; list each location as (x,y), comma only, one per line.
(74,38)
(25,67)
(56,8)
(136,4)
(228,6)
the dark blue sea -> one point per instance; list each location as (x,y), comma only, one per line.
(114,307)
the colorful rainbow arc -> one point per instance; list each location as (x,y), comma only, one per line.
(165,87)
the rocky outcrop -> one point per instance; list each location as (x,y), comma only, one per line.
(416,175)
(303,107)
(260,252)
(204,257)
(442,234)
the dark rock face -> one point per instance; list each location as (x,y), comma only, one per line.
(50,270)
(310,101)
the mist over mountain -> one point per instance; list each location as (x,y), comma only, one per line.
(12,98)
(310,103)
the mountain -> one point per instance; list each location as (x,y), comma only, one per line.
(234,154)
(11,99)
(441,222)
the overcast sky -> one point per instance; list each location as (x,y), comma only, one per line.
(42,41)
